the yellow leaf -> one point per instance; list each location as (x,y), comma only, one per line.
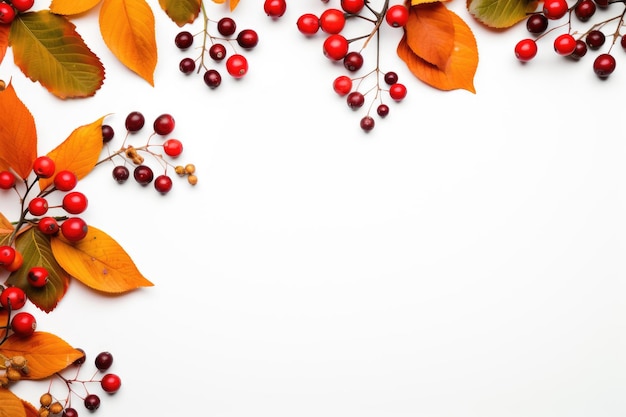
(46,353)
(18,135)
(181,11)
(78,153)
(10,404)
(5,225)
(233,4)
(128,29)
(99,262)
(72,7)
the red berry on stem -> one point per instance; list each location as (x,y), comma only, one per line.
(275,8)
(163,184)
(23,5)
(332,21)
(555,9)
(74,202)
(585,9)
(143,174)
(308,24)
(48,225)
(7,180)
(121,173)
(382,110)
(65,180)
(226,26)
(187,65)
(565,44)
(23,324)
(173,147)
(7,13)
(352,6)
(397,16)
(355,100)
(13,298)
(353,61)
(237,65)
(526,49)
(164,124)
(7,255)
(134,121)
(74,229)
(183,40)
(397,91)
(217,51)
(44,167)
(37,276)
(248,38)
(335,47)
(38,206)
(111,383)
(212,78)
(537,23)
(342,85)
(103,361)
(604,65)
(367,123)
(92,402)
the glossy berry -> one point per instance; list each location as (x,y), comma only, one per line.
(37,276)
(48,226)
(163,184)
(7,180)
(526,49)
(44,167)
(248,38)
(69,412)
(111,383)
(187,65)
(7,13)
(92,402)
(622,41)
(17,262)
(555,9)
(585,9)
(143,174)
(217,51)
(602,3)
(173,147)
(595,39)
(80,360)
(74,202)
(13,298)
(237,65)
(103,361)
(335,47)
(352,6)
(74,229)
(134,121)
(38,206)
(23,324)
(226,26)
(604,65)
(355,100)
(564,44)
(332,21)
(275,8)
(183,40)
(342,85)
(308,24)
(397,16)
(212,78)
(164,124)
(580,51)
(537,23)
(23,5)
(397,91)
(391,78)
(353,61)
(121,173)
(107,133)
(65,180)
(7,255)
(382,110)
(367,123)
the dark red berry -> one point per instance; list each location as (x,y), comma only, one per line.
(595,39)
(604,65)
(248,38)
(355,100)
(134,121)
(226,26)
(121,173)
(103,361)
(70,412)
(537,23)
(212,78)
(585,9)
(163,184)
(217,51)
(183,40)
(143,174)
(353,61)
(391,78)
(164,124)
(92,402)
(187,65)
(81,359)
(367,123)
(107,133)
(382,110)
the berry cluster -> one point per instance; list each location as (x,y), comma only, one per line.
(11,8)
(217,48)
(132,155)
(337,48)
(571,43)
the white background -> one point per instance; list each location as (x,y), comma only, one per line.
(463,259)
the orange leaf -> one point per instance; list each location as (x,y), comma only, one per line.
(30,409)
(458,72)
(181,11)
(430,33)
(78,153)
(71,7)
(18,135)
(5,225)
(4,40)
(46,353)
(233,4)
(128,29)
(99,262)
(10,404)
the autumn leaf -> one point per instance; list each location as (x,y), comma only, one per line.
(4,40)
(10,404)
(45,352)
(181,11)
(430,33)
(128,29)
(99,262)
(232,4)
(35,248)
(459,70)
(30,409)
(18,135)
(78,153)
(500,14)
(72,7)
(47,48)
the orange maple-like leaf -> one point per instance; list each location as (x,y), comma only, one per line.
(78,153)
(459,69)
(128,29)
(18,135)
(72,7)
(10,404)
(99,262)
(45,352)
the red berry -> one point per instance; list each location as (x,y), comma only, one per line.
(183,40)
(367,123)
(7,255)
(584,10)
(595,39)
(397,16)
(110,383)
(397,91)
(217,51)
(352,6)
(74,229)
(565,44)
(580,51)
(23,324)
(92,402)
(526,49)
(391,78)
(103,361)
(275,8)
(602,3)
(173,147)
(43,166)
(332,21)
(121,173)
(537,23)
(38,206)
(355,100)
(342,85)
(335,47)
(74,202)
(134,121)
(555,9)
(212,78)
(107,133)
(65,180)
(7,13)
(37,276)
(382,110)
(69,412)
(48,225)
(22,5)
(7,180)
(237,65)
(604,65)
(247,38)
(308,24)
(187,65)
(12,297)
(16,264)
(164,124)
(143,174)
(163,184)
(226,26)
(353,61)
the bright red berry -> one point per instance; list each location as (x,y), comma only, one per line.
(397,16)
(332,21)
(23,324)
(565,44)
(342,85)
(111,383)
(397,91)
(163,184)
(335,47)
(22,5)
(526,49)
(38,206)
(173,147)
(74,202)
(48,225)
(352,6)
(275,8)
(237,65)
(13,297)
(37,276)
(7,180)
(308,24)
(164,124)
(7,255)
(555,9)
(7,13)
(65,180)
(43,166)
(74,229)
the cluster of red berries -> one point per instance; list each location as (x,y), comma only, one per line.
(337,48)
(216,49)
(143,173)
(11,8)
(13,299)
(109,382)
(573,44)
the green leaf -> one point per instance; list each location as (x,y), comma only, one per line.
(181,11)
(501,14)
(48,50)
(35,248)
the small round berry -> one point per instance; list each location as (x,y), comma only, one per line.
(37,276)
(164,124)
(134,121)
(48,226)
(65,180)
(7,13)
(526,49)
(44,167)
(173,147)
(237,65)
(602,3)
(183,40)
(163,184)
(332,21)
(103,361)
(391,78)
(335,47)
(397,16)
(7,180)
(367,123)
(342,85)
(38,206)
(352,6)
(74,202)
(604,65)
(92,402)
(111,383)
(16,264)
(622,41)
(23,5)
(585,9)
(13,298)
(555,9)
(7,255)
(121,173)
(248,38)
(81,359)
(397,91)
(564,44)
(355,100)
(580,51)
(275,8)
(190,169)
(217,51)
(46,399)
(353,61)
(70,412)
(308,24)
(537,23)
(143,174)
(74,229)
(212,78)
(23,324)
(226,26)
(107,133)
(187,65)
(595,39)
(382,110)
